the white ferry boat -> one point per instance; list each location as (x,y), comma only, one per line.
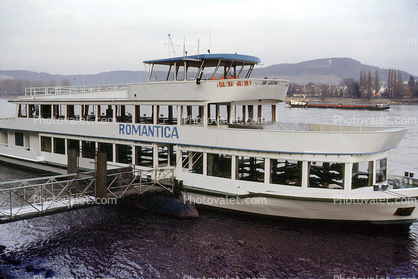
(218,128)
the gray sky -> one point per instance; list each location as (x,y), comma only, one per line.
(92,36)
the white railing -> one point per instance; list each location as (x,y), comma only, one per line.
(33,91)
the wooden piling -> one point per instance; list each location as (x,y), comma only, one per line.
(101,175)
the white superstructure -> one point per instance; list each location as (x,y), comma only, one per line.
(205,116)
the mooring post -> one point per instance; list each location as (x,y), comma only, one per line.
(72,164)
(101,175)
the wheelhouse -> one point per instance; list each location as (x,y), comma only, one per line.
(201,67)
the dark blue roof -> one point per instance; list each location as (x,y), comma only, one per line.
(223,56)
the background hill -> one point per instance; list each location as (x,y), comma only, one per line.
(327,71)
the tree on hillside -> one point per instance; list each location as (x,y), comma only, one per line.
(369,86)
(413,88)
(376,83)
(353,88)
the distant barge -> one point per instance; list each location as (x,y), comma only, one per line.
(306,104)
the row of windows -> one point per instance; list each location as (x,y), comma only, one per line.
(165,115)
(119,153)
(284,172)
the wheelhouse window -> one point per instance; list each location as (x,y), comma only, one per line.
(219,165)
(381,170)
(144,156)
(162,72)
(179,71)
(326,175)
(144,114)
(59,146)
(193,161)
(286,172)
(362,175)
(46,144)
(250,168)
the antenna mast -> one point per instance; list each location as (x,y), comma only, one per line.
(170,43)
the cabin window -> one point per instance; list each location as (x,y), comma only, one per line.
(250,169)
(59,146)
(88,149)
(33,111)
(193,161)
(46,144)
(167,115)
(124,113)
(362,175)
(286,172)
(381,170)
(108,149)
(162,72)
(19,139)
(218,113)
(105,113)
(238,114)
(123,153)
(89,112)
(46,111)
(73,144)
(192,115)
(144,156)
(58,111)
(326,175)
(22,111)
(73,112)
(219,165)
(144,114)
(162,156)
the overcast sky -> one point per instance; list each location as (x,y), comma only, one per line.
(92,36)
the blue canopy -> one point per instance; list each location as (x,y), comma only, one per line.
(247,59)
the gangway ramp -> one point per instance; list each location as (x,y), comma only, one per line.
(29,198)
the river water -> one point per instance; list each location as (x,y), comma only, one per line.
(118,241)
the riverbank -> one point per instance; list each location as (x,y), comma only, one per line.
(357,101)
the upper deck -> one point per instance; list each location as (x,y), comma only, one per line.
(200,78)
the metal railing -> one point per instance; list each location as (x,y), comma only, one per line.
(29,198)
(33,91)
